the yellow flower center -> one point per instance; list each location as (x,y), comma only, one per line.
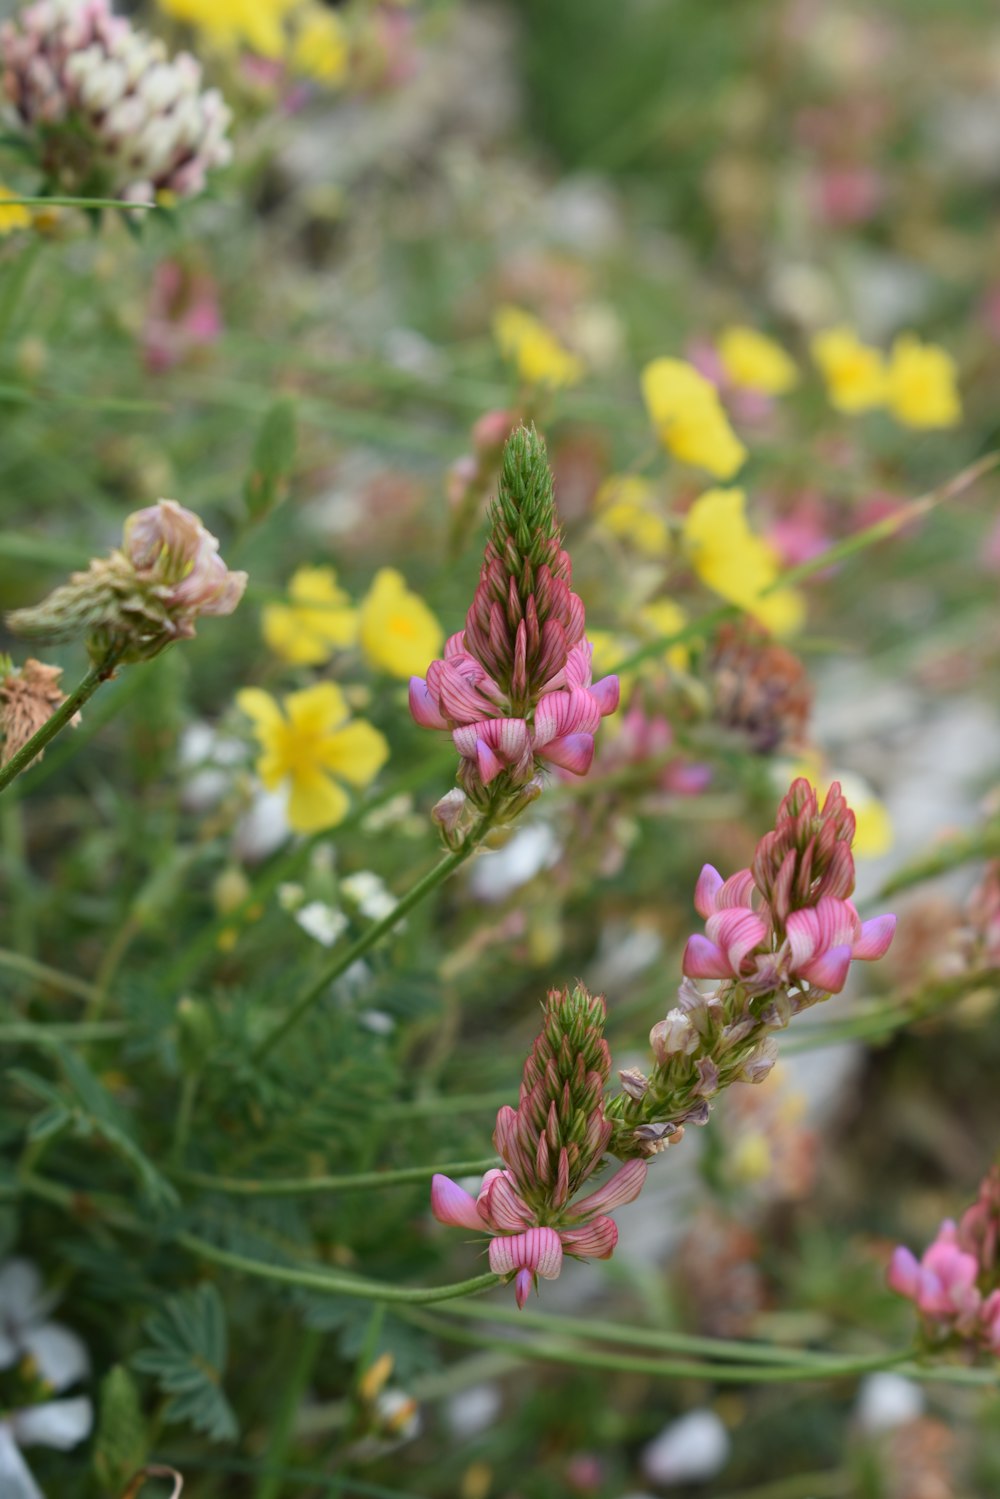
(402,624)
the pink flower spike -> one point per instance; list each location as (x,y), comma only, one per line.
(622,1187)
(828,971)
(705,892)
(423,708)
(703,960)
(537,1250)
(592,1241)
(876,935)
(452,1205)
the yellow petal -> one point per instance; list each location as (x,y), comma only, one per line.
(783,612)
(259,706)
(317,709)
(399,633)
(755,362)
(356,752)
(283,631)
(922,390)
(315,802)
(854,373)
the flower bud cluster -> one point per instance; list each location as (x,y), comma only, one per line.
(956,1283)
(550,1144)
(129,606)
(108,111)
(514,687)
(781,936)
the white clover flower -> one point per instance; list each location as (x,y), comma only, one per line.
(60,1360)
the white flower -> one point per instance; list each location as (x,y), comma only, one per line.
(322,922)
(695,1447)
(370,894)
(60,1359)
(886,1400)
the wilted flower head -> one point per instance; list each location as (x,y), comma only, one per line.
(106,110)
(28,696)
(514,687)
(167,574)
(550,1144)
(759,688)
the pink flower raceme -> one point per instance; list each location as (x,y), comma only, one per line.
(523,1247)
(953,1285)
(514,687)
(550,1144)
(788,919)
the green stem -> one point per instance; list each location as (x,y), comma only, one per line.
(110,963)
(299,1186)
(185,1110)
(369,939)
(41,972)
(60,718)
(23,1033)
(294,1383)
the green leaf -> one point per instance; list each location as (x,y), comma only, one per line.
(273,457)
(122,1441)
(187,1359)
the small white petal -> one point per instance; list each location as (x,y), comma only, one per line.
(61,1356)
(16,1481)
(322,922)
(58,1423)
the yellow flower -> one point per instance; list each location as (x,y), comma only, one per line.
(257,24)
(12,215)
(537,354)
(755,362)
(854,372)
(320,47)
(319,620)
(662,618)
(689,418)
(311,747)
(626,508)
(735,563)
(921,384)
(398,631)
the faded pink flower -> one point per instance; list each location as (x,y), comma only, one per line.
(182,315)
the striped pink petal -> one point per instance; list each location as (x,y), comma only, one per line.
(455,645)
(593,1241)
(607,695)
(572,752)
(828,970)
(537,1250)
(703,960)
(523,1282)
(503,1207)
(830,923)
(562,713)
(737,932)
(452,1205)
(876,935)
(737,890)
(706,891)
(577,667)
(624,1186)
(423,707)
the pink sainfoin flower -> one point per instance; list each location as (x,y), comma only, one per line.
(550,1144)
(789,920)
(514,687)
(107,111)
(182,315)
(954,1284)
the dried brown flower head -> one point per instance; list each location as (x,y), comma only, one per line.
(28,696)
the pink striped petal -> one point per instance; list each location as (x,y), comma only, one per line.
(489,764)
(624,1186)
(455,645)
(875,938)
(827,971)
(706,891)
(607,695)
(703,960)
(577,669)
(573,752)
(737,890)
(830,923)
(458,697)
(537,1250)
(452,1205)
(504,1208)
(424,709)
(523,1282)
(737,931)
(559,713)
(592,1241)
(505,1132)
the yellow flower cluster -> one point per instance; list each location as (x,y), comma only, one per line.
(397,632)
(752,361)
(730,559)
(627,509)
(689,417)
(310,745)
(917,383)
(303,34)
(533,350)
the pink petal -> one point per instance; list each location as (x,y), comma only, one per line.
(424,709)
(577,667)
(455,645)
(875,938)
(737,931)
(572,752)
(452,1205)
(593,1241)
(624,1186)
(560,713)
(458,696)
(607,695)
(523,1282)
(703,960)
(538,1250)
(827,971)
(489,765)
(504,1208)
(737,890)
(904,1273)
(705,892)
